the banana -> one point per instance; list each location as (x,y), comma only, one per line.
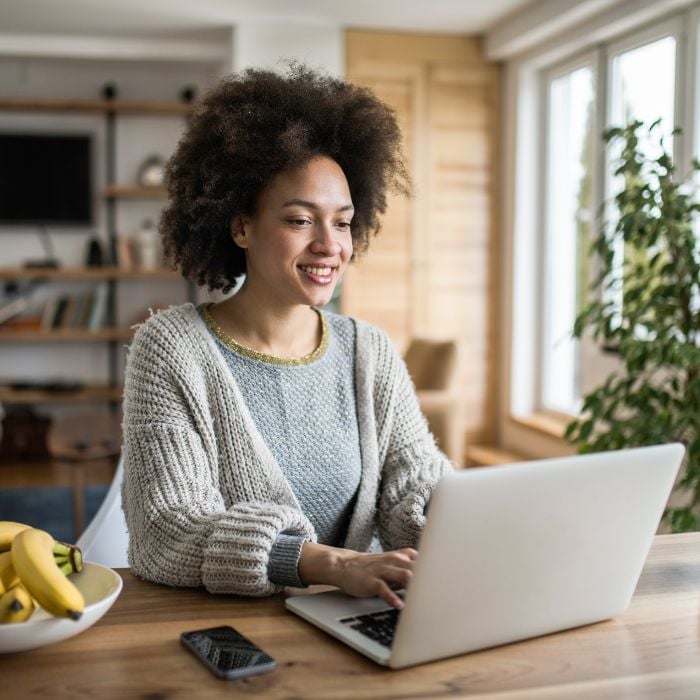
(33,559)
(16,605)
(8,576)
(63,552)
(8,531)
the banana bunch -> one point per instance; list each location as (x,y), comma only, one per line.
(33,572)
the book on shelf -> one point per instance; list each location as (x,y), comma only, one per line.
(59,313)
(69,312)
(78,311)
(75,319)
(88,301)
(98,310)
(48,314)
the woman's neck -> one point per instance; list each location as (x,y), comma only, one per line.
(291,331)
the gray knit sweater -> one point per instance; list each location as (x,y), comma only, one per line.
(204,498)
(306,413)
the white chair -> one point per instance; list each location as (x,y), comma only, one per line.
(106,538)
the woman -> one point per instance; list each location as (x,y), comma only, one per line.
(266,442)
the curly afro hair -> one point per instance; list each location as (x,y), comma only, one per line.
(254,125)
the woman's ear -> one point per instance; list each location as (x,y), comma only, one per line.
(238,231)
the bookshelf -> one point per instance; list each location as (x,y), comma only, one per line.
(104,279)
(63,335)
(134,192)
(89,393)
(107,272)
(163,108)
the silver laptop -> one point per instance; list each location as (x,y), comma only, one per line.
(512,552)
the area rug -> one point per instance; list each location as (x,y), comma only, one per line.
(50,508)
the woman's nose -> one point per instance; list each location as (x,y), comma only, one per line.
(325,241)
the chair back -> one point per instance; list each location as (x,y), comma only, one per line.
(106,539)
(431,363)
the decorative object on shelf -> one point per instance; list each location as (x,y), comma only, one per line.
(24,434)
(50,260)
(147,246)
(18,300)
(95,255)
(110,91)
(152,172)
(13,308)
(188,93)
(125,253)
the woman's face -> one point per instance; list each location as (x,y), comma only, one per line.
(298,242)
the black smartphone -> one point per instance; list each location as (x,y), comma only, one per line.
(226,652)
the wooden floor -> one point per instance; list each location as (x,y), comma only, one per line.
(52,473)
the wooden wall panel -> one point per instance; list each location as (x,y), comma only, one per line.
(382,281)
(432,269)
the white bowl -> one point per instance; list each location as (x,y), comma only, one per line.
(100,587)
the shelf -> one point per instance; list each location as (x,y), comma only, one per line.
(85,273)
(89,394)
(65,335)
(98,106)
(134,192)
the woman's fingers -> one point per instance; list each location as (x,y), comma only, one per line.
(398,576)
(401,558)
(412,554)
(378,574)
(386,594)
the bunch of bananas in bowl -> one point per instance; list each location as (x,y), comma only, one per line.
(34,571)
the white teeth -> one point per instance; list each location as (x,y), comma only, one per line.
(320,271)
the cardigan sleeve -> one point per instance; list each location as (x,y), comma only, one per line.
(410,461)
(181,532)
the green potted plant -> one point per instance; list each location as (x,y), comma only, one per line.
(646,307)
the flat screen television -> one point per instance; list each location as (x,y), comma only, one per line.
(45,179)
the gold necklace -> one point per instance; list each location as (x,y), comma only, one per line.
(234,345)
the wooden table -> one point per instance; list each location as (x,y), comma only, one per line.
(652,651)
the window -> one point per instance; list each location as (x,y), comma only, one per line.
(638,82)
(642,81)
(567,232)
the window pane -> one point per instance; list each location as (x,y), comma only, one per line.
(643,88)
(567,232)
(643,81)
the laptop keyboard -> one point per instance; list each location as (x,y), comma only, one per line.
(379,626)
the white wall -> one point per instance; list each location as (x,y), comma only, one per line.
(271,46)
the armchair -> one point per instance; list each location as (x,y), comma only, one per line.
(431,365)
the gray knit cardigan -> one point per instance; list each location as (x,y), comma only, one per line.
(203,497)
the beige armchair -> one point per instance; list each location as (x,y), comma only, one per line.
(432,365)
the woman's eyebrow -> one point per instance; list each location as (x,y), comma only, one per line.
(312,205)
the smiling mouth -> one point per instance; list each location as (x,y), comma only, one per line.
(321,274)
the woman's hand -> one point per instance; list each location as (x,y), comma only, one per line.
(356,573)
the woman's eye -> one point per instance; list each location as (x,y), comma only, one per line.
(344,225)
(299,222)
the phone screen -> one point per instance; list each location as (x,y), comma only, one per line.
(227,652)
